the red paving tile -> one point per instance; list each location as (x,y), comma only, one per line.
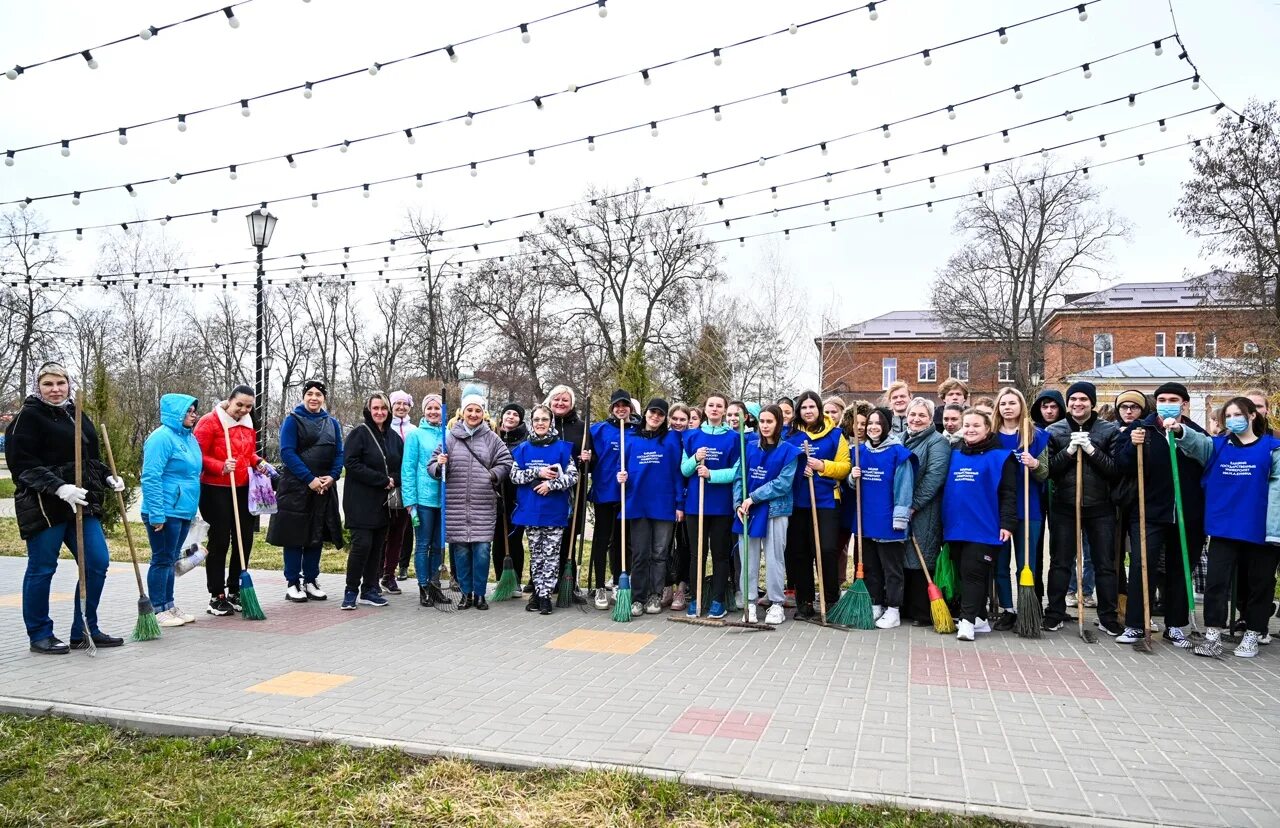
(977,670)
(723,724)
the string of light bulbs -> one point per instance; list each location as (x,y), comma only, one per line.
(467,118)
(418,271)
(147,32)
(826,202)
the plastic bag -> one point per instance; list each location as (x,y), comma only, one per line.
(193,549)
(262,495)
(944,574)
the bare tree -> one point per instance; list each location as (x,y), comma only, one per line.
(444,331)
(1232,203)
(389,349)
(31,312)
(225,336)
(517,301)
(1022,247)
(292,341)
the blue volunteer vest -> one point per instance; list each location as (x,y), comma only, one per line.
(878,469)
(1013,442)
(533,509)
(604,472)
(971,497)
(821,448)
(653,476)
(723,452)
(764,465)
(1236,484)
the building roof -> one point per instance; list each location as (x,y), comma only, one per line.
(1149,369)
(1140,296)
(907,324)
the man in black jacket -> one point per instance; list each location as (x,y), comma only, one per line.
(1148,435)
(1082,434)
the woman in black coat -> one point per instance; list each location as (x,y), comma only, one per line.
(372,463)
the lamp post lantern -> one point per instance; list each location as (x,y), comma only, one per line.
(261,226)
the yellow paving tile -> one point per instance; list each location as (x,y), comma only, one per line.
(15,599)
(299,683)
(599,641)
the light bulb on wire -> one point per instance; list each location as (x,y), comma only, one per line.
(524,33)
(89,60)
(232,20)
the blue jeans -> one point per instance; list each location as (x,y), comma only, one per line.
(42,562)
(166,545)
(1004,587)
(1088,573)
(427,552)
(301,563)
(471,562)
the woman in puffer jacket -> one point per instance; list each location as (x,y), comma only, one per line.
(171,464)
(421,494)
(472,461)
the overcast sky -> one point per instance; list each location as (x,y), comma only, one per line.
(864,269)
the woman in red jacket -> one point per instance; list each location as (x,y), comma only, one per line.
(233,416)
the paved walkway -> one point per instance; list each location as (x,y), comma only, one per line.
(1051,732)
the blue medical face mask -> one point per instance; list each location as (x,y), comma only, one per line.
(1168,410)
(1237,424)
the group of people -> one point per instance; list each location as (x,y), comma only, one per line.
(676,489)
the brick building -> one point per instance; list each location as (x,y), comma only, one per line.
(1090,330)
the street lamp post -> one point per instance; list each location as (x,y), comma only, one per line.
(261,225)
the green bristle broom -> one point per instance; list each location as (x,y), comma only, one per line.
(147,628)
(622,605)
(854,607)
(508,584)
(250,609)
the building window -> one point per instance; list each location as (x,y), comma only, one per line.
(1160,344)
(959,369)
(1103,352)
(888,372)
(1184,345)
(1004,371)
(927,370)
(1211,345)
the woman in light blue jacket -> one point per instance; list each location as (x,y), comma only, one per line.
(421,494)
(171,464)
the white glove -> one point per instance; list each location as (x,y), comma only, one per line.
(116,483)
(73,495)
(1079,437)
(1072,448)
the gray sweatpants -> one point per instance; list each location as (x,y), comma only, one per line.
(774,545)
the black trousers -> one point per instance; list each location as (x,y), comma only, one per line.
(717,537)
(680,556)
(883,570)
(915,595)
(975,562)
(1099,529)
(222,572)
(364,558)
(1162,542)
(800,554)
(1258,563)
(607,542)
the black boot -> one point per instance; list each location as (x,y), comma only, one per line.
(423,598)
(534,604)
(465,603)
(480,603)
(544,605)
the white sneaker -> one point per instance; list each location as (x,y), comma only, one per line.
(775,615)
(737,600)
(187,618)
(601,599)
(1071,599)
(1177,638)
(1249,646)
(1265,638)
(876,612)
(294,593)
(889,619)
(981,625)
(168,619)
(637,609)
(964,630)
(751,614)
(1129,636)
(314,592)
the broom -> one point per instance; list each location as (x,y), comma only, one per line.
(569,574)
(250,610)
(439,600)
(1086,636)
(942,620)
(1143,645)
(1030,611)
(86,637)
(744,545)
(697,603)
(147,629)
(854,607)
(507,584)
(1182,535)
(622,604)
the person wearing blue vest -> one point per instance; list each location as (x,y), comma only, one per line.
(1242,518)
(853,424)
(605,458)
(712,454)
(543,473)
(1013,431)
(678,562)
(652,474)
(766,508)
(826,463)
(979,514)
(171,463)
(887,471)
